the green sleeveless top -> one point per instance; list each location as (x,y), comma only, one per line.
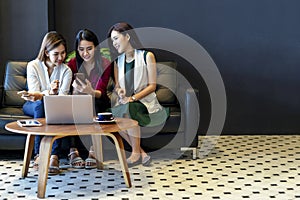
(129,76)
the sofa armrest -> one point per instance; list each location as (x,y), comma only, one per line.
(191,117)
(1,95)
(14,81)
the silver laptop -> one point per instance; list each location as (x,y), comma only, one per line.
(68,109)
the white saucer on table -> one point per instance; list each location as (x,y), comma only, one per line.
(105,121)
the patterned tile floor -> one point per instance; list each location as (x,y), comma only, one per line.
(229,167)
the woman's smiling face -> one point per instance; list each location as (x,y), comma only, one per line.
(86,50)
(120,41)
(57,55)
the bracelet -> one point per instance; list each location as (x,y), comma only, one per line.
(133,98)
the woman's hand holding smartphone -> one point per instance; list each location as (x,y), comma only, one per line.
(26,95)
(30,96)
(23,93)
(80,77)
(78,82)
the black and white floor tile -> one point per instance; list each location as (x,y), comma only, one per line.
(228,168)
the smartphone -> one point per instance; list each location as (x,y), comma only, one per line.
(28,122)
(23,93)
(80,76)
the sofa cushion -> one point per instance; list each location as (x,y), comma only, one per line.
(12,112)
(166,82)
(15,80)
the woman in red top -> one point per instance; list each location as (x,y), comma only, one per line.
(91,76)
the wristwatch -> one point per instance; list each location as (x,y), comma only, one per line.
(133,98)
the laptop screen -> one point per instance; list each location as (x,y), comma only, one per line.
(68,109)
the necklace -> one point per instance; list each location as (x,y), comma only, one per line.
(129,60)
(129,57)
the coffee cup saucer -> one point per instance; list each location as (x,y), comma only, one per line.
(104,121)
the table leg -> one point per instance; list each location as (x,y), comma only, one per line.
(97,144)
(27,154)
(45,152)
(122,158)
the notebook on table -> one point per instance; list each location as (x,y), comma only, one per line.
(68,109)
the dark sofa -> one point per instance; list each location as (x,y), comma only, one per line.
(11,106)
(179,130)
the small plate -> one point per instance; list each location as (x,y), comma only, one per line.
(107,121)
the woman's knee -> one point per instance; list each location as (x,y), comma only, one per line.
(34,109)
(39,109)
(134,132)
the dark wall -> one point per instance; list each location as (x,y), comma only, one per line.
(22,26)
(255,45)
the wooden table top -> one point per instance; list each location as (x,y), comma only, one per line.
(73,129)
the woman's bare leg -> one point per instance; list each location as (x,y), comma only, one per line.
(133,139)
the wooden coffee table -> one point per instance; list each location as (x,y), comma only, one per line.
(53,132)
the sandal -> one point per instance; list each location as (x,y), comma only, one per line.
(90,162)
(92,165)
(53,170)
(76,162)
(36,162)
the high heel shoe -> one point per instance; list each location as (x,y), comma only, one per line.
(132,164)
(146,161)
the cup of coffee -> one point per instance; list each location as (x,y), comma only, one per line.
(105,116)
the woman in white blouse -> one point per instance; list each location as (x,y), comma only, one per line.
(47,75)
